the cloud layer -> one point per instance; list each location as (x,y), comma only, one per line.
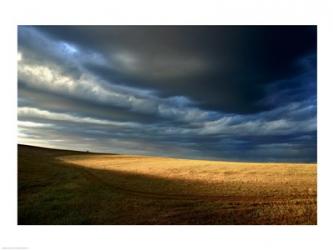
(216,92)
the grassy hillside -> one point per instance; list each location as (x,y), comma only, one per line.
(69,187)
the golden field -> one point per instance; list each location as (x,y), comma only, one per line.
(68,187)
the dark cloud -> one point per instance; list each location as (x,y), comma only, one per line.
(208,64)
(217,92)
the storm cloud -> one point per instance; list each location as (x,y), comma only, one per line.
(215,92)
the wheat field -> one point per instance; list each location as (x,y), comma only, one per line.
(67,187)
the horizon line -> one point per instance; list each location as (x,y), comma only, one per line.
(159,156)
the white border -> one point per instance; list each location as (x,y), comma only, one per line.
(167,12)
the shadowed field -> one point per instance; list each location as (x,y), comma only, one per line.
(68,187)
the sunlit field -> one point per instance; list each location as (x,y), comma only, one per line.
(68,187)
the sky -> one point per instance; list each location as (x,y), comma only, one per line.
(241,93)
